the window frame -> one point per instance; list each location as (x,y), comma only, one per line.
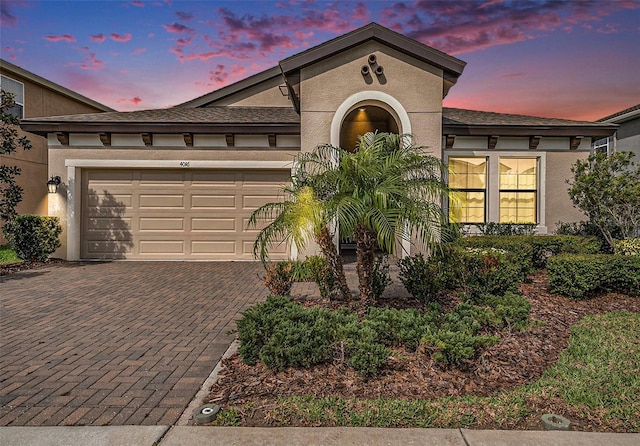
(492,197)
(472,189)
(516,191)
(21,104)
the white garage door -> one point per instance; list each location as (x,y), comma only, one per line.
(175,214)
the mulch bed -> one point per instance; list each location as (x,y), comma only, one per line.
(520,357)
(11,268)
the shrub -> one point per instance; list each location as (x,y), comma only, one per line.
(380,276)
(422,278)
(401,327)
(578,276)
(628,247)
(319,271)
(280,276)
(487,271)
(493,228)
(509,310)
(454,347)
(519,247)
(33,237)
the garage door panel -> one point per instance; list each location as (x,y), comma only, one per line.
(161,224)
(158,201)
(108,223)
(213,247)
(213,201)
(213,224)
(175,214)
(162,247)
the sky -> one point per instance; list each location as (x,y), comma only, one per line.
(572,59)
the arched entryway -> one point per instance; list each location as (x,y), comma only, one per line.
(363,119)
(364,112)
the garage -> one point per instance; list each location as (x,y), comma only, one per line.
(175,214)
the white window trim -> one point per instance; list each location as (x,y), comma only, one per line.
(492,197)
(23,98)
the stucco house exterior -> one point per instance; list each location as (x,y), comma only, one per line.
(627,136)
(180,183)
(36,96)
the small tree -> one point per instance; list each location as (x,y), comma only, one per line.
(11,141)
(607,190)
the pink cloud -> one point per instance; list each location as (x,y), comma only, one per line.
(138,4)
(97,37)
(512,75)
(120,37)
(62,37)
(135,100)
(178,28)
(139,51)
(92,63)
(184,16)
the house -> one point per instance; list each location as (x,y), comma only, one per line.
(180,183)
(34,97)
(627,136)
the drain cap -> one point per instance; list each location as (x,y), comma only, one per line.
(206,414)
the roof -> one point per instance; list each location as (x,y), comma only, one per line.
(16,70)
(457,121)
(219,119)
(174,120)
(374,31)
(451,66)
(623,115)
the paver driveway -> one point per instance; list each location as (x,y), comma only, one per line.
(115,342)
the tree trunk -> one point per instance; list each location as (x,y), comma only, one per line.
(366,244)
(325,241)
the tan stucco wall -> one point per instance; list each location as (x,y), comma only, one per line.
(265,94)
(39,101)
(559,206)
(417,86)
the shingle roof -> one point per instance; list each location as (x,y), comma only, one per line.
(453,116)
(612,117)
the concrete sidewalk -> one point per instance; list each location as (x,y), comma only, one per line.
(292,436)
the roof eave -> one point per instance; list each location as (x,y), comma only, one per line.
(599,131)
(43,128)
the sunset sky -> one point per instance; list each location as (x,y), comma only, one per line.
(570,59)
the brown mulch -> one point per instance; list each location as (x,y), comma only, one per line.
(11,268)
(518,358)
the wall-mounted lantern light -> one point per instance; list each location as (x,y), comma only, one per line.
(53,184)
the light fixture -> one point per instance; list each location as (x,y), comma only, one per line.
(362,109)
(53,184)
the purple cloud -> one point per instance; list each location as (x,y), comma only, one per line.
(120,37)
(178,28)
(62,37)
(97,37)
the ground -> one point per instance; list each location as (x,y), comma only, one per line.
(520,357)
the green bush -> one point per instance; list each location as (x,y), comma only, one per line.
(578,276)
(628,247)
(487,271)
(33,237)
(380,276)
(401,327)
(502,229)
(422,277)
(534,250)
(280,276)
(509,310)
(319,271)
(455,347)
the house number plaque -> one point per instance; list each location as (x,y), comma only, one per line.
(185,163)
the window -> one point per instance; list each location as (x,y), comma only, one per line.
(518,190)
(468,178)
(603,145)
(17,89)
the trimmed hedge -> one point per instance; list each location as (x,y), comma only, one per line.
(33,237)
(579,276)
(538,247)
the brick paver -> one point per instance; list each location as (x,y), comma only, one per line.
(114,343)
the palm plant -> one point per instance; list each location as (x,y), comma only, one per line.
(301,217)
(386,191)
